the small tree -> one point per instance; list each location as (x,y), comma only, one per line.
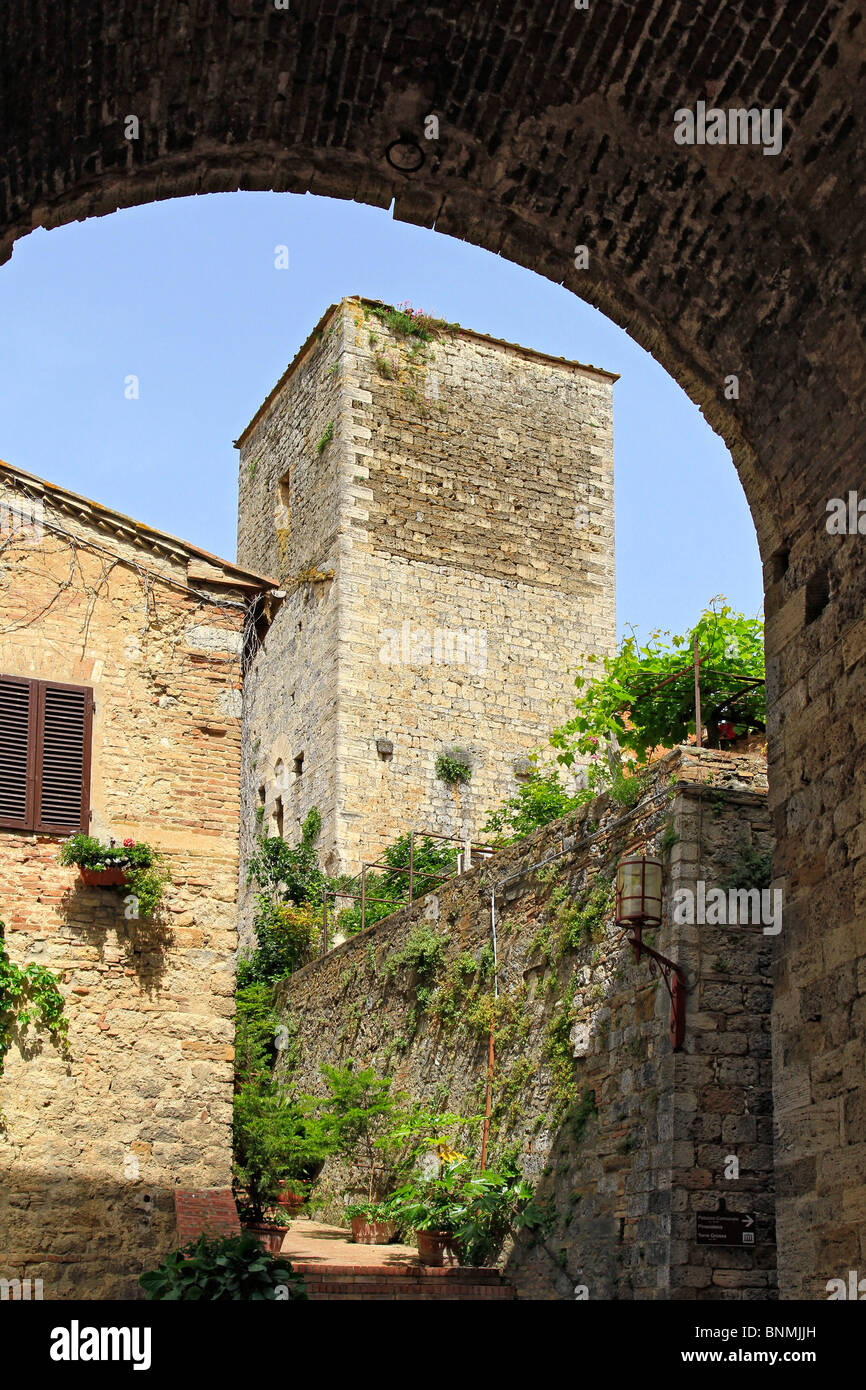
(644,697)
(361,1114)
(541,799)
(274,1140)
(358,1110)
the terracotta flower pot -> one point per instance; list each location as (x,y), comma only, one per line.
(270,1238)
(290,1199)
(103,878)
(433,1245)
(367,1232)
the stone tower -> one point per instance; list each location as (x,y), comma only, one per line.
(439,511)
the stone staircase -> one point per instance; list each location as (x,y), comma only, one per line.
(401,1282)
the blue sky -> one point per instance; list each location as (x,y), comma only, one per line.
(184,294)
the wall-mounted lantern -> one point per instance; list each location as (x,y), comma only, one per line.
(639,905)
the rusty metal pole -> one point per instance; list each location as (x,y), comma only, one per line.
(492,1026)
(697,696)
(487,1105)
(411,864)
(325,921)
(363,895)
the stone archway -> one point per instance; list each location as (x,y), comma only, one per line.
(556,131)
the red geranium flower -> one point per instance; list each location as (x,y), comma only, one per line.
(127,844)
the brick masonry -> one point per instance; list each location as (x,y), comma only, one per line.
(208,1211)
(715,259)
(466,493)
(627,1180)
(96,1146)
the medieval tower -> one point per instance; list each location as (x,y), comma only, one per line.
(438,508)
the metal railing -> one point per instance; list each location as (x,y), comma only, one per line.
(462,864)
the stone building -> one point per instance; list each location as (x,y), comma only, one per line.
(124,646)
(438,507)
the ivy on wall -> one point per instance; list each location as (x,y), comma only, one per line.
(29,995)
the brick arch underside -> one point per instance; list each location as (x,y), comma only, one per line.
(556,131)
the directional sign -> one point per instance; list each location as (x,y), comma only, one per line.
(724,1228)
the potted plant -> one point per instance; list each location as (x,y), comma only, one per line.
(273,1140)
(366,1119)
(269,1230)
(371,1222)
(292,1195)
(495,1205)
(433,1209)
(134,865)
(464,1216)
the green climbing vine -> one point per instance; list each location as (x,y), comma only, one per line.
(29,994)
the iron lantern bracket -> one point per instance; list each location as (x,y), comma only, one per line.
(675,983)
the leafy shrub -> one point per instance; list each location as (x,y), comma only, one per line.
(478,1211)
(215,1270)
(256,1024)
(421,955)
(452,769)
(370,1209)
(540,799)
(644,696)
(432,858)
(584,922)
(285,936)
(290,884)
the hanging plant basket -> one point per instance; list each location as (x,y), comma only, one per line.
(103,878)
(134,865)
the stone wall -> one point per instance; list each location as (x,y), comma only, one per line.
(628,1139)
(448,558)
(95,1146)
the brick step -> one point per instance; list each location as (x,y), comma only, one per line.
(454,1274)
(402,1283)
(409,1290)
(456,1293)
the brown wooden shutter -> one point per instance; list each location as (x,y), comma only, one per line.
(62,761)
(18,715)
(45,740)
